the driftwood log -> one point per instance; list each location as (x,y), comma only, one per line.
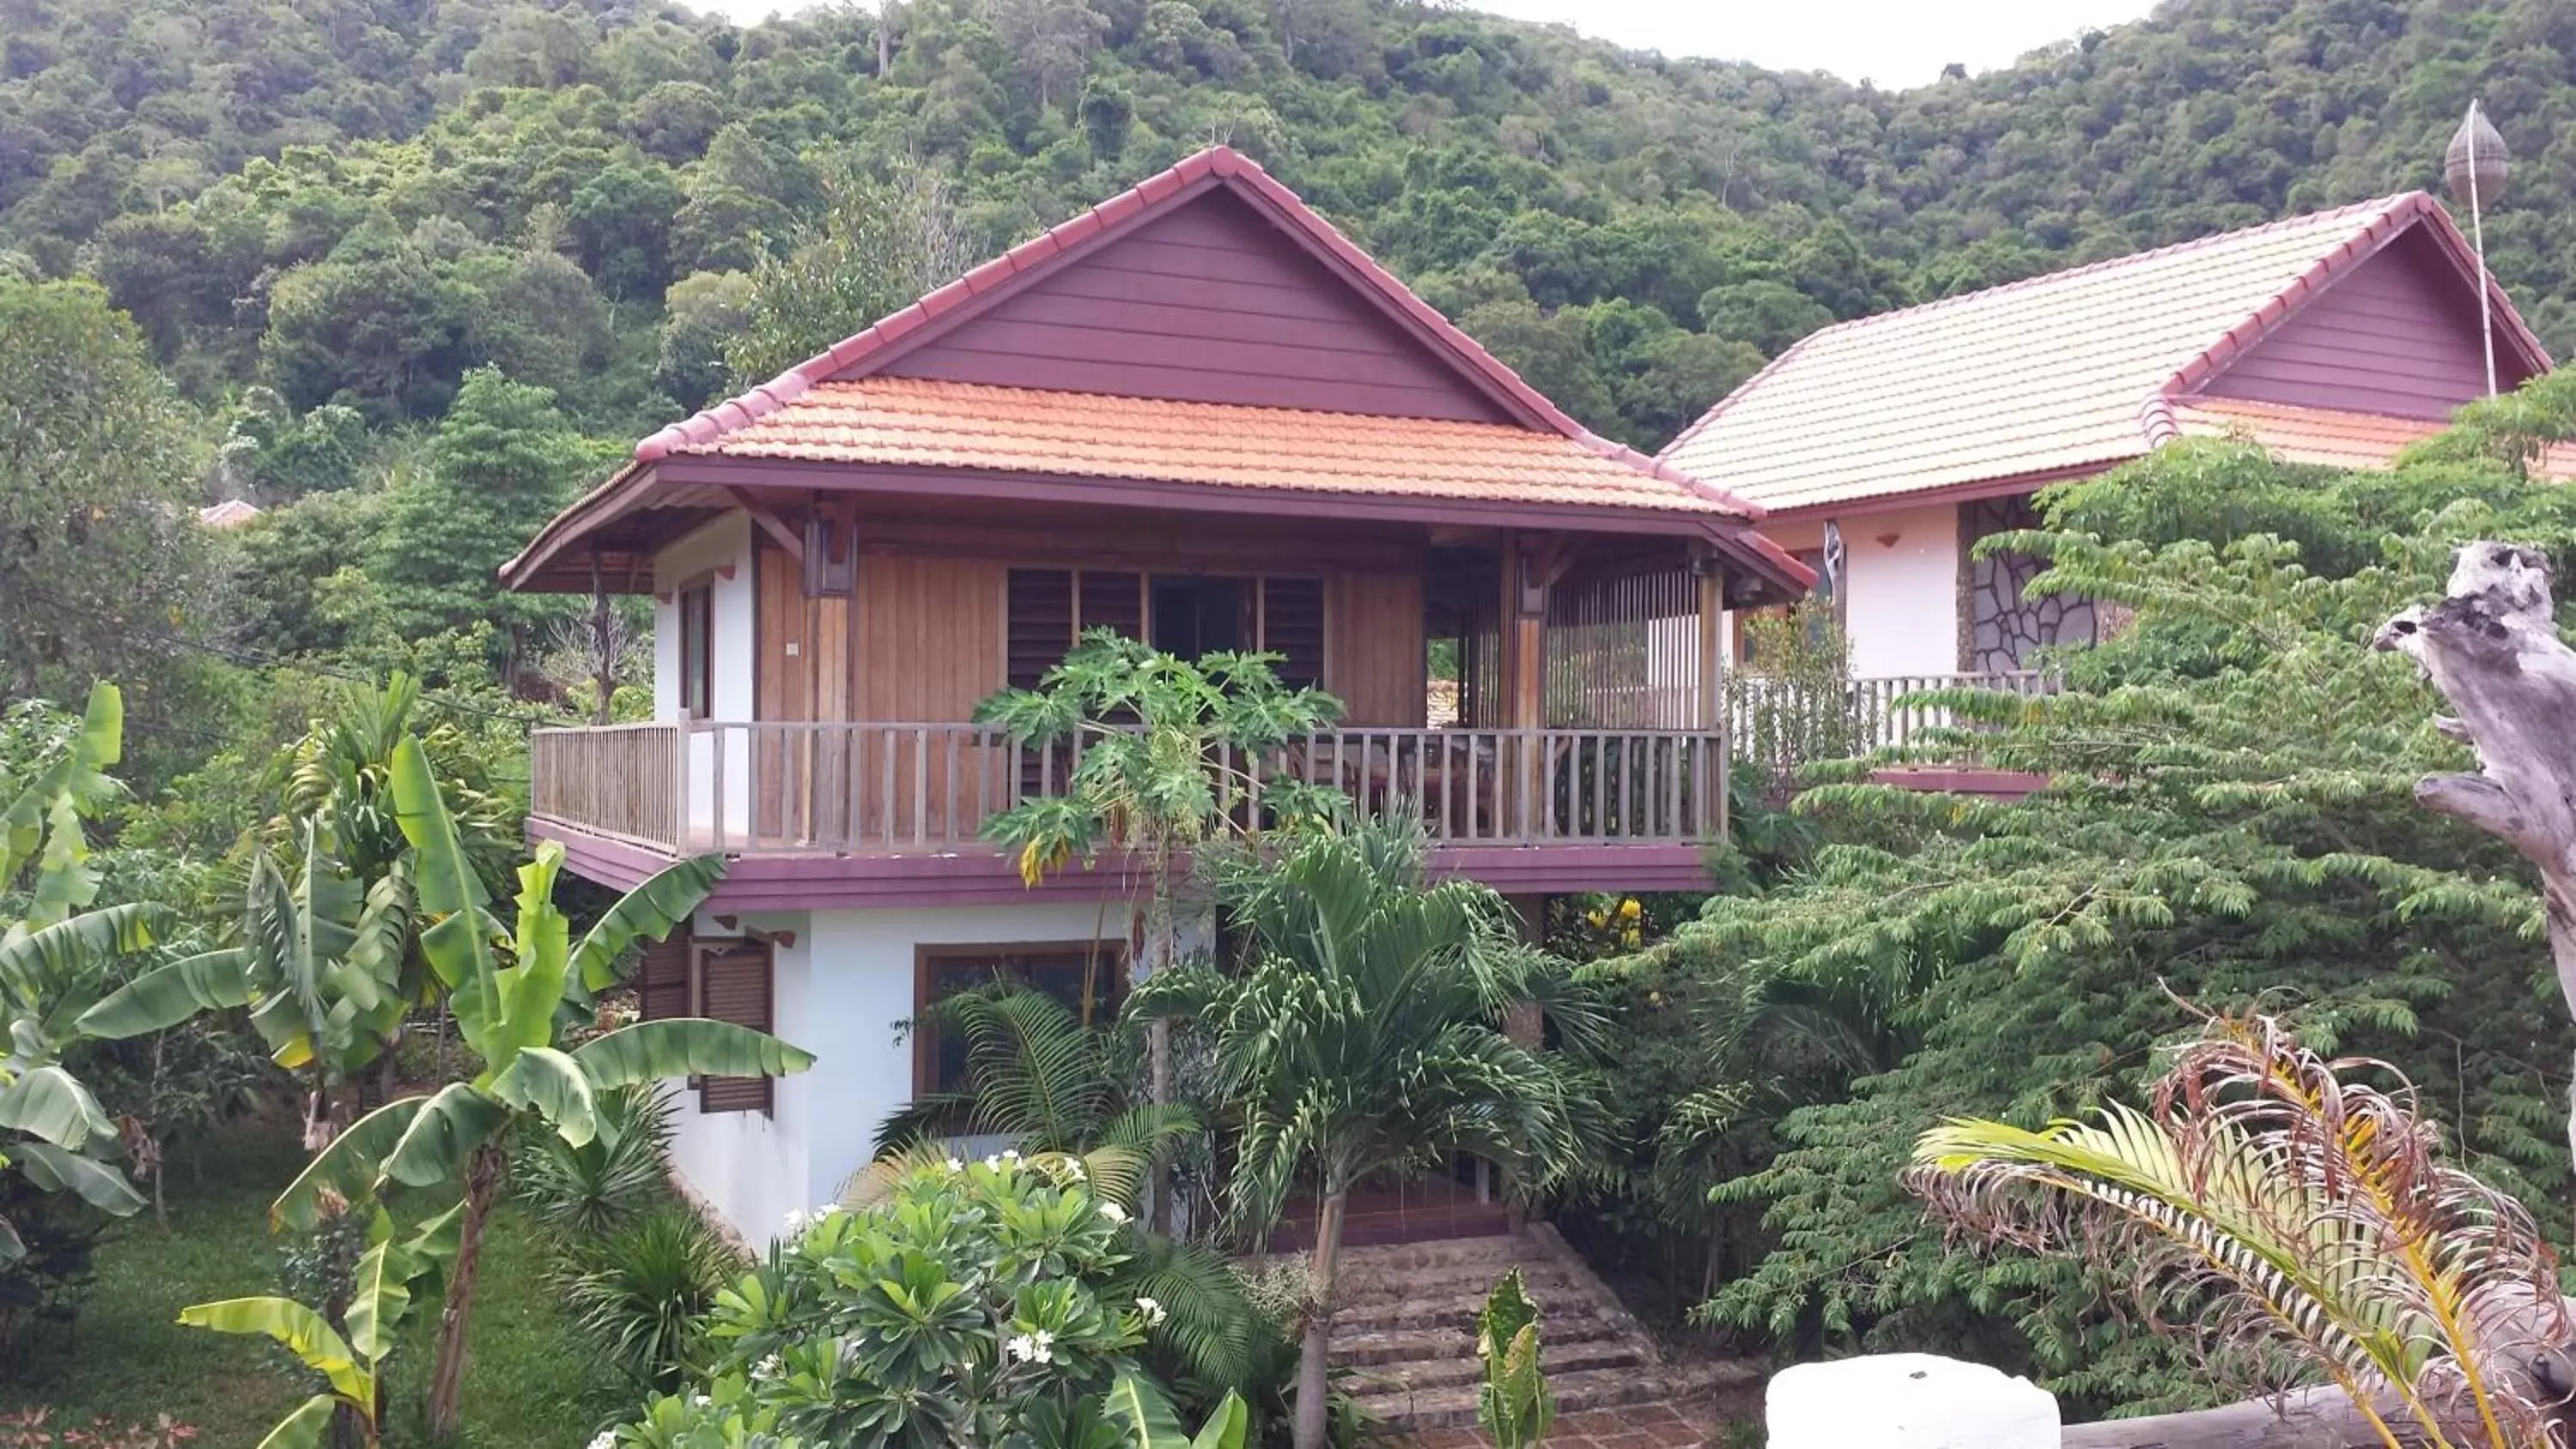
(2491,646)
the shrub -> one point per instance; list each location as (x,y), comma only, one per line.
(985,1303)
(590,1191)
(645,1292)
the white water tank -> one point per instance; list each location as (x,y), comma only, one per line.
(1907,1401)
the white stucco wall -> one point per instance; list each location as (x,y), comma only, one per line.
(1901,591)
(727,541)
(840,991)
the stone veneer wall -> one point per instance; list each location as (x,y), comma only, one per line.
(1999,629)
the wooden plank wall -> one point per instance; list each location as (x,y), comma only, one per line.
(1211,303)
(1374,660)
(925,648)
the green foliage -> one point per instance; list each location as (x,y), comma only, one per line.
(2232,815)
(2279,1208)
(881,242)
(503,463)
(644,1290)
(1513,1405)
(55,955)
(593,1190)
(985,1303)
(349,1358)
(99,560)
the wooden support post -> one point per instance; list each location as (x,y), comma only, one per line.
(1714,801)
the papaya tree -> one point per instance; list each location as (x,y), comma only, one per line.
(54,956)
(512,990)
(320,964)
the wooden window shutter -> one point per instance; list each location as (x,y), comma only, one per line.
(1292,624)
(1039,624)
(662,981)
(734,985)
(1113,601)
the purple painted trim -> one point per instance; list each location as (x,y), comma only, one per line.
(990,878)
(1996,784)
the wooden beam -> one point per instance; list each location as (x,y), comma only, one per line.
(770,523)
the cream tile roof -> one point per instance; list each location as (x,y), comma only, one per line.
(2046,377)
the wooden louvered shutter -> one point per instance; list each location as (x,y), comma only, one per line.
(734,986)
(1113,601)
(662,981)
(1039,626)
(1292,624)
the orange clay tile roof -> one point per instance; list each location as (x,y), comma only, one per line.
(2047,377)
(2325,437)
(919,422)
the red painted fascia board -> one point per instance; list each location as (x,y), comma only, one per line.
(598,506)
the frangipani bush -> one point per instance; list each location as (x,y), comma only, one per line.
(987,1303)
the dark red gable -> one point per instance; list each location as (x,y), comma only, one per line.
(1208,302)
(2395,335)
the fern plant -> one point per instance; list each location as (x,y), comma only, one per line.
(2278,1211)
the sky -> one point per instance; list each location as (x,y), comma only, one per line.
(1896,43)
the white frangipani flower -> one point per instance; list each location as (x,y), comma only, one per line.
(605,1439)
(1112,1211)
(1153,1310)
(795,1220)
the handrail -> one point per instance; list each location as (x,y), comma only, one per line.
(896,788)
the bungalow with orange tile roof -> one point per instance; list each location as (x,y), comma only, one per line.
(1197,415)
(2336,338)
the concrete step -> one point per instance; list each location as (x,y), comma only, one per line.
(1401,1315)
(1360,1344)
(1422,1375)
(1548,1283)
(1455,1404)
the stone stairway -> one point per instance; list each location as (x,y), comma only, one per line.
(1406,1332)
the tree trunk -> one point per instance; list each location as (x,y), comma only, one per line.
(2492,647)
(484,1173)
(1314,1407)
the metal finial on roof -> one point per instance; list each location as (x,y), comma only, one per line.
(2476,165)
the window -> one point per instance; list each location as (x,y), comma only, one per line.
(1188,615)
(1088,977)
(697,651)
(729,980)
(1196,617)
(734,984)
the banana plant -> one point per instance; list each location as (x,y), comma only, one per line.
(509,989)
(351,1365)
(53,961)
(320,964)
(1138,1407)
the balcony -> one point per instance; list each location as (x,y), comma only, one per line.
(1782,724)
(1547,809)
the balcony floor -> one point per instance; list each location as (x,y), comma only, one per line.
(980,874)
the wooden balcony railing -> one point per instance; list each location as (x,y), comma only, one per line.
(1782,724)
(898,789)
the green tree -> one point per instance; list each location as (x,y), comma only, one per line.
(1170,754)
(504,461)
(101,562)
(1366,1034)
(512,991)
(882,242)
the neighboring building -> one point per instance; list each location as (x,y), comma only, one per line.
(1198,415)
(2336,338)
(231,513)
